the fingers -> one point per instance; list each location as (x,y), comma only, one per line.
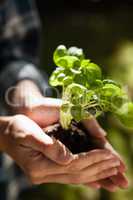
(45,111)
(56,152)
(49,147)
(90,174)
(122,167)
(51,102)
(94,128)
(68,173)
(120,180)
(101,166)
(77,178)
(44,115)
(84,160)
(104,174)
(53,168)
(111,184)
(93,185)
(108,185)
(49,167)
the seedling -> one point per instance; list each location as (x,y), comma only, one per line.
(84,91)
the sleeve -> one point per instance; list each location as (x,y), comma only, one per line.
(19,45)
(19,70)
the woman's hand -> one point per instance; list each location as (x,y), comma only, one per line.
(45,111)
(45,160)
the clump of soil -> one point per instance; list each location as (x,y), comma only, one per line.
(76,139)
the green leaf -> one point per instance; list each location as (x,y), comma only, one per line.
(65,115)
(67,81)
(91,71)
(73,90)
(59,52)
(125,114)
(112,96)
(68,62)
(84,93)
(74,51)
(57,77)
(109,90)
(97,84)
(76,112)
(109,81)
(81,79)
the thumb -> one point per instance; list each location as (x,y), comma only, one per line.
(51,148)
(46,111)
(94,128)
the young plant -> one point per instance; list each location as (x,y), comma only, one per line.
(84,91)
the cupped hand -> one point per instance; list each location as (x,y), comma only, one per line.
(45,160)
(49,107)
(45,111)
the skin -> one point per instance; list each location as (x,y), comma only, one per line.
(44,112)
(45,160)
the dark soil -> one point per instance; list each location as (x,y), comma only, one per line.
(77,139)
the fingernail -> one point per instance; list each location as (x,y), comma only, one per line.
(48,140)
(44,137)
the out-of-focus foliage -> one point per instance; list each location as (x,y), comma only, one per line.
(106,34)
(60,192)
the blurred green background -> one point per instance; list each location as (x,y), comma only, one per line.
(104,30)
